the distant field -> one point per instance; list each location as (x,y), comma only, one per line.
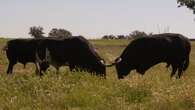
(82,91)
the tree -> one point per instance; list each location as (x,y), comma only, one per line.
(59,33)
(137,34)
(36,32)
(105,37)
(109,37)
(188,3)
(121,37)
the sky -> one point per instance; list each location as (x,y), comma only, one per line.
(95,18)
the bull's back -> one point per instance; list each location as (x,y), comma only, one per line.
(22,50)
(147,46)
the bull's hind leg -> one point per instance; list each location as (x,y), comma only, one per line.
(141,71)
(180,70)
(57,69)
(10,67)
(168,64)
(174,69)
(72,67)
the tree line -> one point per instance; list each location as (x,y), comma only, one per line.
(37,32)
(133,35)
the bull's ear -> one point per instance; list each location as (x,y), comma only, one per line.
(118,60)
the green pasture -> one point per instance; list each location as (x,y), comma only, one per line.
(24,90)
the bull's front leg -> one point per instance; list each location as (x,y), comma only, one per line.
(10,67)
(38,70)
(56,67)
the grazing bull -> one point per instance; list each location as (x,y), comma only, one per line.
(143,53)
(76,52)
(23,51)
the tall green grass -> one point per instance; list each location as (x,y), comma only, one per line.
(82,91)
(78,90)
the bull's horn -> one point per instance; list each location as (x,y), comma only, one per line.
(118,60)
(102,61)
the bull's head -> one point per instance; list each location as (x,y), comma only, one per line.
(122,67)
(100,69)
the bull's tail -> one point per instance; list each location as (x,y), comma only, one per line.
(186,64)
(187,61)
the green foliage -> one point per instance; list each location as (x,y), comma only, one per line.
(188,3)
(36,32)
(67,90)
(60,33)
(109,37)
(136,95)
(137,34)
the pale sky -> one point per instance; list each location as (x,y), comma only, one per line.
(95,18)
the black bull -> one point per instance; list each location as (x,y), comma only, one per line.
(143,53)
(76,52)
(23,51)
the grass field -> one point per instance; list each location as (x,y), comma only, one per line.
(81,91)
